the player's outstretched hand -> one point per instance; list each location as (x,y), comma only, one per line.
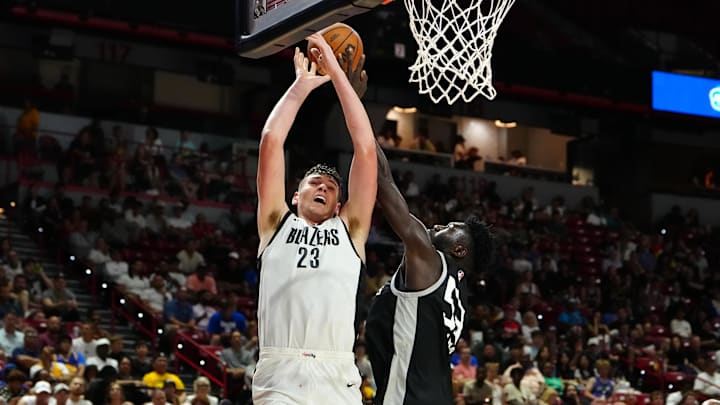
(306,72)
(324,55)
(358,77)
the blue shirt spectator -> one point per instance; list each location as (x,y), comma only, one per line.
(179,308)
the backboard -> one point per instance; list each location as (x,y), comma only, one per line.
(264,27)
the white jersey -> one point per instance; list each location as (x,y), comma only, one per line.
(309,278)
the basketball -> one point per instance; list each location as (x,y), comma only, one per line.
(342,39)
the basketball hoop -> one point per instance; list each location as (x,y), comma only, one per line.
(455,47)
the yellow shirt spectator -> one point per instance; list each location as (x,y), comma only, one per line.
(155,380)
(28,123)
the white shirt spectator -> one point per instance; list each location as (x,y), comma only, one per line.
(596,220)
(134,285)
(708,385)
(98,257)
(31,400)
(155,299)
(179,223)
(100,363)
(115,270)
(79,402)
(189,262)
(190,398)
(681,328)
(10,342)
(86,348)
(202,314)
(137,219)
(521,264)
(12,271)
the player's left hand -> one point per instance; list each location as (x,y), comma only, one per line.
(358,77)
(324,56)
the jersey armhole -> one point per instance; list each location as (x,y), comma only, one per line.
(277,231)
(422,293)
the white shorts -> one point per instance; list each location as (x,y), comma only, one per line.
(292,376)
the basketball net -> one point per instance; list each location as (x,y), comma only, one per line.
(455,47)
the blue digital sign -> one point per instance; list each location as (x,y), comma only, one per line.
(686,94)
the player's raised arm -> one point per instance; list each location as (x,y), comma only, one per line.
(271,160)
(421,259)
(362,181)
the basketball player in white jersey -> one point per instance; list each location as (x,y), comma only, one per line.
(310,262)
(416,319)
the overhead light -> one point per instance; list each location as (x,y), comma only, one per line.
(405,110)
(500,124)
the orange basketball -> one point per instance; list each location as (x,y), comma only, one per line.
(342,39)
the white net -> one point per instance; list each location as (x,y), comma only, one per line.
(455,44)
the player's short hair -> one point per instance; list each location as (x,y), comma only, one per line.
(483,243)
(324,170)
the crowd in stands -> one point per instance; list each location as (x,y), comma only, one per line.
(115,162)
(579,307)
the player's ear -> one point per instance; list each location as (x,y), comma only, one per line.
(295,198)
(337,209)
(459,251)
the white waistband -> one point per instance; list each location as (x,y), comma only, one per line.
(284,352)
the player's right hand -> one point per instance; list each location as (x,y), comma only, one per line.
(306,72)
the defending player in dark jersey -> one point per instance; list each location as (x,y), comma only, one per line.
(416,319)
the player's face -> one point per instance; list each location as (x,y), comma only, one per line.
(317,198)
(446,237)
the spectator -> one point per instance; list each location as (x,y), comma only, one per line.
(707,382)
(117,345)
(100,254)
(81,241)
(571,316)
(60,301)
(422,142)
(42,391)
(201,228)
(185,146)
(14,386)
(240,364)
(134,282)
(7,302)
(29,353)
(600,388)
(171,393)
(464,371)
(157,377)
(203,309)
(231,222)
(74,361)
(478,391)
(85,344)
(156,296)
(80,163)
(10,337)
(156,222)
(52,333)
(190,258)
(135,216)
(224,322)
(116,268)
(56,371)
(173,279)
(201,280)
(102,355)
(511,392)
(12,265)
(679,326)
(201,387)
(26,130)
(141,362)
(158,398)
(77,392)
(61,394)
(177,221)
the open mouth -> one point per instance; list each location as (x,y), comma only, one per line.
(320,199)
